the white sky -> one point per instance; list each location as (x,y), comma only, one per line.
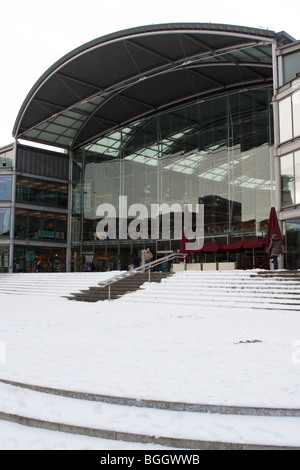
(34,33)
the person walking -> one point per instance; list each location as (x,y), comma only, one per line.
(147,257)
(275,249)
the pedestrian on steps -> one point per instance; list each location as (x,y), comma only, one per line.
(275,249)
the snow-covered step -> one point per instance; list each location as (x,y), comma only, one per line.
(183,429)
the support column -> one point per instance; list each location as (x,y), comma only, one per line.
(69,222)
(12,213)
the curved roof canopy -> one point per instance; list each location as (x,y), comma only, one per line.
(116,79)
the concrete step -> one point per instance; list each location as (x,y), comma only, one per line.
(181,425)
(119,288)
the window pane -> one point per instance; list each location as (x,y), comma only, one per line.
(21,223)
(291,66)
(6,158)
(22,189)
(296,113)
(4,257)
(48,225)
(285,119)
(297,176)
(5,188)
(287,180)
(4,222)
(61,227)
(34,224)
(50,196)
(62,195)
(35,194)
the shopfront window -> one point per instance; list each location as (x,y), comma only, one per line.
(5,187)
(50,259)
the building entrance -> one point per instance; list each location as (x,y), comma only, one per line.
(27,259)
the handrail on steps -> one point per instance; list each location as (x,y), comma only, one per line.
(145,268)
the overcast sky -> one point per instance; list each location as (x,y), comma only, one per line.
(35,33)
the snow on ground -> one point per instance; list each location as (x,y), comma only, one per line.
(150,351)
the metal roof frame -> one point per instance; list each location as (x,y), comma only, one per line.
(116,79)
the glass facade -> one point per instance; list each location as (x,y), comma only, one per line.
(36,191)
(217,152)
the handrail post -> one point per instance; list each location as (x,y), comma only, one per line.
(149,275)
(108,291)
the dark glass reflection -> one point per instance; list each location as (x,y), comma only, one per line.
(217,152)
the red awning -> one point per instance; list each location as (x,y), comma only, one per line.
(253,243)
(233,246)
(212,247)
(243,244)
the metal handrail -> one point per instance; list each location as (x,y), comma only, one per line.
(145,268)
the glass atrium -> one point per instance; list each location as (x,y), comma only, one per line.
(217,152)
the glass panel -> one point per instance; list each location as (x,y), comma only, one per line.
(297,176)
(285,119)
(4,258)
(35,226)
(4,222)
(287,180)
(296,113)
(290,66)
(35,191)
(21,230)
(50,194)
(293,243)
(62,195)
(5,187)
(22,189)
(61,227)
(48,231)
(7,158)
(42,192)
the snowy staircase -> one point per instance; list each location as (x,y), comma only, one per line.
(119,288)
(278,290)
(251,289)
(50,284)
